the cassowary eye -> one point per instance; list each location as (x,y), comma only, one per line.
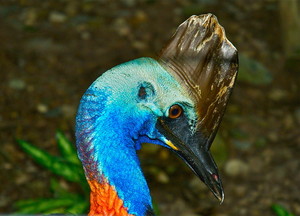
(175,111)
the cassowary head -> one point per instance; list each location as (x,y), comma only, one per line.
(176,101)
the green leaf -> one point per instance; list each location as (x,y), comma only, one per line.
(280,211)
(43,205)
(58,166)
(61,192)
(85,187)
(66,148)
(80,207)
(155,208)
(24,203)
(69,167)
(56,211)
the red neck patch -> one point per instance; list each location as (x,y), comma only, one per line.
(105,201)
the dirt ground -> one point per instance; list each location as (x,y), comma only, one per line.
(51,51)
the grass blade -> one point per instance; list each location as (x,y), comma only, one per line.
(58,166)
(43,205)
(66,148)
(280,210)
(80,207)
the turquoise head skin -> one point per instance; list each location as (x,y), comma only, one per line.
(177,103)
(118,113)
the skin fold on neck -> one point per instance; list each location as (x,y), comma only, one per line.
(104,200)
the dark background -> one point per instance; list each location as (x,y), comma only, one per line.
(51,51)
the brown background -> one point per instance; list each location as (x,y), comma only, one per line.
(51,51)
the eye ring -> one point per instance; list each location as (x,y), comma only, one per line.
(175,111)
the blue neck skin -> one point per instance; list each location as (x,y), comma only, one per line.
(113,142)
(110,127)
(112,122)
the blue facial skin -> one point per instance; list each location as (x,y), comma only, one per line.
(115,117)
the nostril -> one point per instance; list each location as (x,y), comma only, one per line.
(215,177)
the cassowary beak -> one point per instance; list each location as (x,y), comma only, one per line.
(192,149)
(204,166)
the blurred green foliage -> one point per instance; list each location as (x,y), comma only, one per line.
(280,211)
(253,72)
(67,166)
(219,150)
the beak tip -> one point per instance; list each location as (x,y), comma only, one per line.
(219,194)
(215,186)
(221,198)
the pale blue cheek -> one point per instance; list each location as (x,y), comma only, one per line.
(145,139)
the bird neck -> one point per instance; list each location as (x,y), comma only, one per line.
(122,180)
(104,199)
(108,155)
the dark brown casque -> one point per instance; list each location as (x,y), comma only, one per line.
(205,62)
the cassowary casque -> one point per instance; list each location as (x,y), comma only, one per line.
(176,101)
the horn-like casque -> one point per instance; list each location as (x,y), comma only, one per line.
(204,61)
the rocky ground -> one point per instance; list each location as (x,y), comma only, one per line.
(51,51)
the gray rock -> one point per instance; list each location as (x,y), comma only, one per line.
(121,27)
(236,167)
(162,177)
(17,84)
(29,17)
(57,17)
(278,94)
(42,108)
(40,44)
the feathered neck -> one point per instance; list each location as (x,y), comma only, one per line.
(106,147)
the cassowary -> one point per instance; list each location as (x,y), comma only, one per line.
(176,101)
